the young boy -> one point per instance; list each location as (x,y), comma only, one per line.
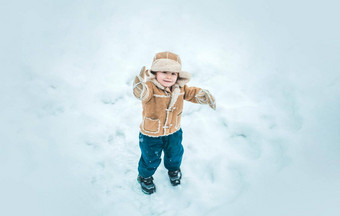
(162,90)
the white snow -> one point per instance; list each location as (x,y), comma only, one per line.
(69,121)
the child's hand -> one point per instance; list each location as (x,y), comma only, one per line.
(204,97)
(140,89)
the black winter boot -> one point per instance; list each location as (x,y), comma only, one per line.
(175,177)
(148,187)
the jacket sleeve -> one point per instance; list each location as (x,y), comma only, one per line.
(141,89)
(198,95)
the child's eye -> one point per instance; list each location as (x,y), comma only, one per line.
(173,74)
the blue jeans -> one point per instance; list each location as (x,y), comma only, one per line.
(152,147)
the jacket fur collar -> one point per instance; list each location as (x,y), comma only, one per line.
(183,78)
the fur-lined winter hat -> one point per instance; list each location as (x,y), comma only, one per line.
(166,61)
(170,62)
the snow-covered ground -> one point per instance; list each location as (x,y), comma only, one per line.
(69,121)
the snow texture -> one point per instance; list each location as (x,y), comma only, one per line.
(69,120)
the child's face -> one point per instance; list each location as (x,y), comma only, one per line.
(166,79)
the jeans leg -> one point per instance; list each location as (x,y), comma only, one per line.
(151,148)
(173,151)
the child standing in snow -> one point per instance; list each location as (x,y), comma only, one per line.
(162,90)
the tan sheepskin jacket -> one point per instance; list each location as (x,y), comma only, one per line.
(162,107)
